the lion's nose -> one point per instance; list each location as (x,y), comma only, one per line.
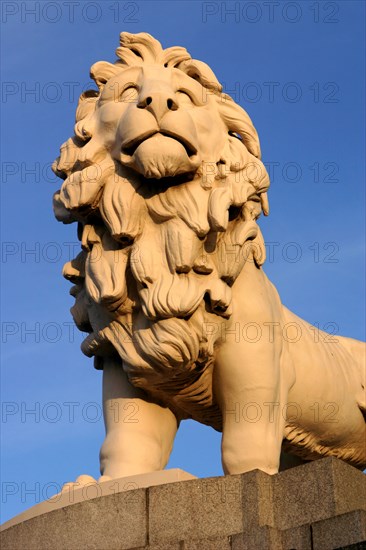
(158,104)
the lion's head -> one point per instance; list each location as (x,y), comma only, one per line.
(164,178)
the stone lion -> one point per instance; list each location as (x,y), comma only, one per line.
(165,181)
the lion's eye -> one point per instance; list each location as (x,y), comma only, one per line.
(129,95)
(184,99)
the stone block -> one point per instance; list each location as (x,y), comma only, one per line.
(317,491)
(340,531)
(257,500)
(213,507)
(257,538)
(297,537)
(112,522)
(269,538)
(196,509)
(222,543)
(164,546)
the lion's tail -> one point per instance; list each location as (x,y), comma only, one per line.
(357,349)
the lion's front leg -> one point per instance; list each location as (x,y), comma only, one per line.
(248,387)
(139,434)
(250,381)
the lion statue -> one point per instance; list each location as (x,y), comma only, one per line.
(165,181)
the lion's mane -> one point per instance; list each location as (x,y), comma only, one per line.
(151,304)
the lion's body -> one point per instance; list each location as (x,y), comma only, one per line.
(329,389)
(165,179)
(291,382)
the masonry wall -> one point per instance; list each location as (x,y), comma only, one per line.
(317,506)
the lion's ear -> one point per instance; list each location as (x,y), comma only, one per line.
(102,71)
(201,72)
(86,104)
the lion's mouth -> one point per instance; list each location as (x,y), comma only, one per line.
(130,147)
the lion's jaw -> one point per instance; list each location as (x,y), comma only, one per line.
(160,157)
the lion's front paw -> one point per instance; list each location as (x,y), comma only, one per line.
(83,481)
(104,478)
(80,482)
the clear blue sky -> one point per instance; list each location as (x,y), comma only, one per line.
(297,68)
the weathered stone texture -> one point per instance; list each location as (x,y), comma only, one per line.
(317,506)
(112,522)
(344,530)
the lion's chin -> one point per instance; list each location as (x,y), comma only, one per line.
(160,157)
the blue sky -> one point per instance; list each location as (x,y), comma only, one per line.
(297,68)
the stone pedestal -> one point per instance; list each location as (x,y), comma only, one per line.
(317,506)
